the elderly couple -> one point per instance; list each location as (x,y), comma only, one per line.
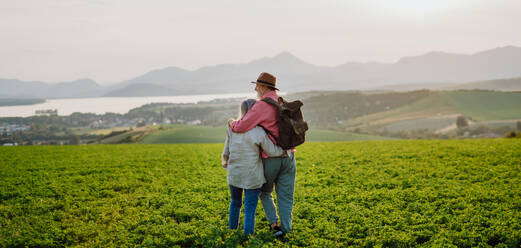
(256,164)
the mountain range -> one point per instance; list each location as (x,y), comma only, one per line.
(24,89)
(293,75)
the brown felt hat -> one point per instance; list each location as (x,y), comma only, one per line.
(267,80)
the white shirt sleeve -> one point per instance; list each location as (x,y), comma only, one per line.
(226,150)
(267,145)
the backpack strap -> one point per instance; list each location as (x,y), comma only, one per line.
(272,102)
(285,153)
(268,132)
(276,105)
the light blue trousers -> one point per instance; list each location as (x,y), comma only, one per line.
(279,172)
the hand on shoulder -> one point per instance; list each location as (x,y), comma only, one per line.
(230,122)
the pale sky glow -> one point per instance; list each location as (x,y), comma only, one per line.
(114,40)
(420,9)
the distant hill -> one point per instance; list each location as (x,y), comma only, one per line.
(510,84)
(14,102)
(13,88)
(142,90)
(293,75)
(417,86)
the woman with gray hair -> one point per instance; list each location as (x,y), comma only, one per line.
(241,156)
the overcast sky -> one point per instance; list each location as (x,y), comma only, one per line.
(114,40)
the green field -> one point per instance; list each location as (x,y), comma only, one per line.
(454,193)
(175,134)
(427,107)
(327,135)
(431,112)
(431,123)
(485,105)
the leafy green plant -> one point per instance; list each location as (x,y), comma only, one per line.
(462,193)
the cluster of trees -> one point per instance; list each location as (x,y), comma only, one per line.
(513,134)
(484,131)
(40,134)
(461,122)
(464,130)
(72,120)
(207,114)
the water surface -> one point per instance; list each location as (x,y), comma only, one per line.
(101,105)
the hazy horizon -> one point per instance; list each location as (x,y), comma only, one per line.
(111,41)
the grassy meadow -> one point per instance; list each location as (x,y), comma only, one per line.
(175,134)
(451,193)
(485,105)
(439,109)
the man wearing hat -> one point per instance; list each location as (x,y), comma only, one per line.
(278,171)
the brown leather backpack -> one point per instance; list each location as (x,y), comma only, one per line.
(292,127)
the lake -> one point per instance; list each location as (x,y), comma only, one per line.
(101,105)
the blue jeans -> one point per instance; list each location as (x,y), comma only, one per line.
(251,197)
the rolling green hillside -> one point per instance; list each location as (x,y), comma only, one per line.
(324,111)
(434,110)
(327,135)
(429,106)
(174,134)
(364,194)
(186,134)
(125,136)
(485,105)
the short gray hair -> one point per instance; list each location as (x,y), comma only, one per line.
(246,105)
